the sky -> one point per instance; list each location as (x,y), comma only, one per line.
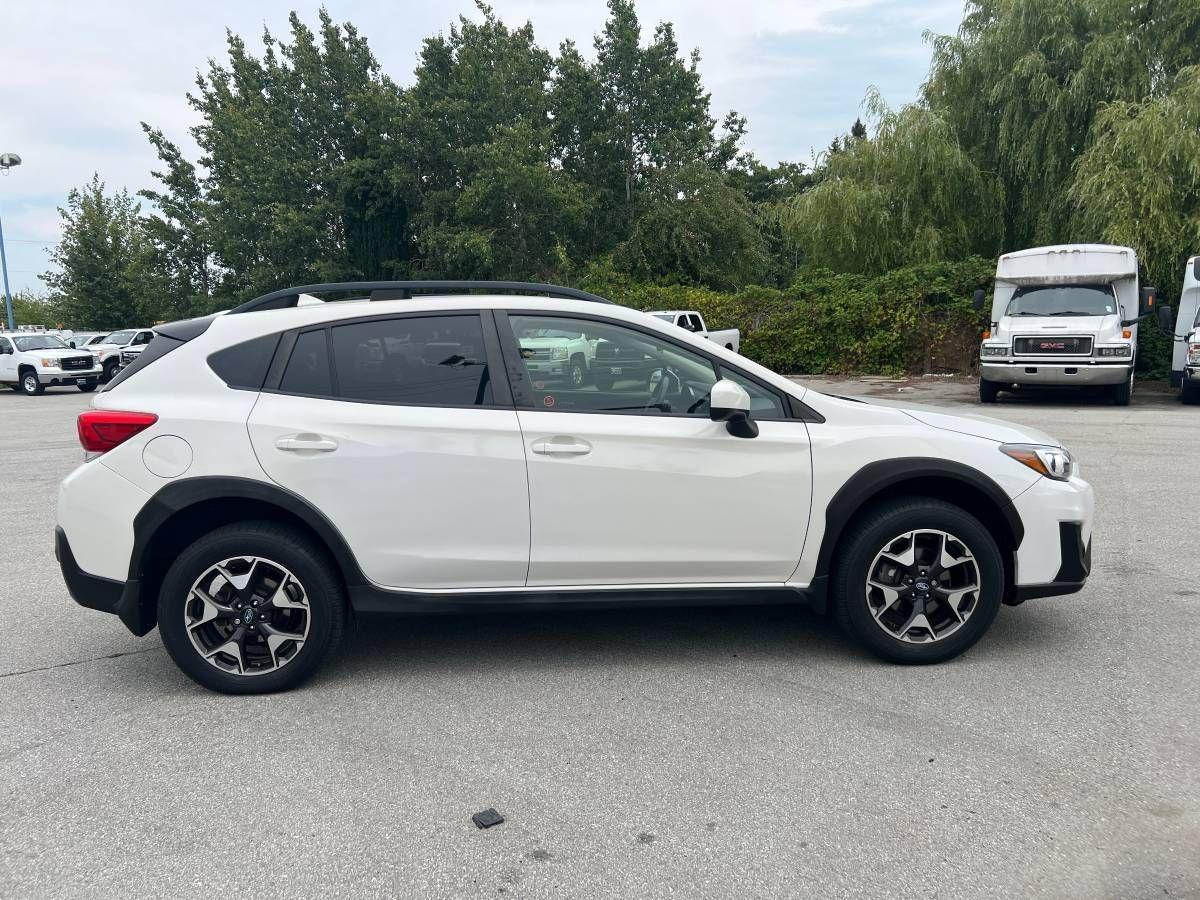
(76,78)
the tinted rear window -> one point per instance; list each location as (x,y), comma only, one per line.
(429,361)
(307,370)
(244,366)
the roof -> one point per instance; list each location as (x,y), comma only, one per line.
(1068,262)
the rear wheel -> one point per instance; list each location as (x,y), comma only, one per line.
(30,386)
(988,391)
(251,608)
(918,581)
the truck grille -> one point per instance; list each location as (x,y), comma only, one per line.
(1052,345)
(76,362)
(539,353)
(127,357)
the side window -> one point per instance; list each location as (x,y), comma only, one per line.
(426,361)
(307,369)
(581,365)
(5,346)
(763,403)
(143,337)
(694,323)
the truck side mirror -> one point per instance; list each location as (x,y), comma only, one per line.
(1166,319)
(977,300)
(1146,301)
(728,402)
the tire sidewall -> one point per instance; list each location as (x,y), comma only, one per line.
(315,572)
(873,535)
(26,389)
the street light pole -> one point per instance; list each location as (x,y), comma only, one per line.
(7,161)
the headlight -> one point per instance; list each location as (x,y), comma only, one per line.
(994,350)
(559,353)
(1193,355)
(1123,350)
(48,363)
(1053,462)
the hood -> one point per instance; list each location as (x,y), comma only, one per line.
(60,353)
(979,426)
(1103,329)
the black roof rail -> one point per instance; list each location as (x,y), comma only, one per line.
(404,290)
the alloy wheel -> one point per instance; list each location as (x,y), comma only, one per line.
(247,615)
(923,586)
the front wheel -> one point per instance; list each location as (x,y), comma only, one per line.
(1123,392)
(918,581)
(988,391)
(1190,392)
(111,368)
(88,386)
(251,608)
(30,386)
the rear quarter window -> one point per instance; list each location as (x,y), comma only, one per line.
(243,366)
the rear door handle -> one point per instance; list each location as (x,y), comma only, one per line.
(562,446)
(307,442)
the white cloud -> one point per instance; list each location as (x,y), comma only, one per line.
(79,77)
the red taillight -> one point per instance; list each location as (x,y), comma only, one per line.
(101,430)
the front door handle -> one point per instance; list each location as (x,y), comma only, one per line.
(307,442)
(562,446)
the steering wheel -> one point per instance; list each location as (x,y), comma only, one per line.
(659,396)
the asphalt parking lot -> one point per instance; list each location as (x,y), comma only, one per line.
(715,753)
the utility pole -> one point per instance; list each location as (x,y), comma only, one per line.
(7,161)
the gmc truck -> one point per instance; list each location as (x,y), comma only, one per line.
(690,320)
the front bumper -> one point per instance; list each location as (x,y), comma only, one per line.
(1035,372)
(121,598)
(1055,556)
(67,376)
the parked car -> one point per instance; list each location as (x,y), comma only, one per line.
(1064,316)
(691,320)
(30,362)
(257,475)
(110,347)
(555,354)
(1185,355)
(81,339)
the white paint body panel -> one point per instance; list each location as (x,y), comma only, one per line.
(96,509)
(661,499)
(426,497)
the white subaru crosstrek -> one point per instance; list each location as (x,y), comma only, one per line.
(258,476)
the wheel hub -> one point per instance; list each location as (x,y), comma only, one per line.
(923,586)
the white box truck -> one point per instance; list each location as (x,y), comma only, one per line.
(1185,353)
(1063,316)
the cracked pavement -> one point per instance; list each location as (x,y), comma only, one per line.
(701,753)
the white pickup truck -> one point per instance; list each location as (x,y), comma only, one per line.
(109,349)
(1185,355)
(690,320)
(31,362)
(1063,316)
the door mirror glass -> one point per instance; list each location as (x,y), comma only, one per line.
(977,300)
(729,402)
(1166,318)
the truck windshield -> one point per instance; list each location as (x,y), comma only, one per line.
(119,337)
(1063,300)
(41,342)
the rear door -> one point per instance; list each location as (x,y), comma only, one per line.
(394,429)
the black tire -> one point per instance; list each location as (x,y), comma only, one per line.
(1123,393)
(870,534)
(988,391)
(311,566)
(90,385)
(1189,392)
(110,370)
(603,382)
(577,372)
(29,384)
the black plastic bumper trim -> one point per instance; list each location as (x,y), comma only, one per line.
(121,598)
(1072,572)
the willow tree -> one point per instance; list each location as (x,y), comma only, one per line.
(1138,183)
(906,194)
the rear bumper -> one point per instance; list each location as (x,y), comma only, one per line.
(1083,372)
(121,598)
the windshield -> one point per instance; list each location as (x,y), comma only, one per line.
(40,342)
(119,337)
(1063,300)
(666,317)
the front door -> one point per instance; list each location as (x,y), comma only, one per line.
(402,444)
(630,482)
(8,360)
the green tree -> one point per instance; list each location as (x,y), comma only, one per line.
(98,281)
(909,194)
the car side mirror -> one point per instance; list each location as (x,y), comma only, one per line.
(1166,319)
(977,300)
(1146,298)
(728,402)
